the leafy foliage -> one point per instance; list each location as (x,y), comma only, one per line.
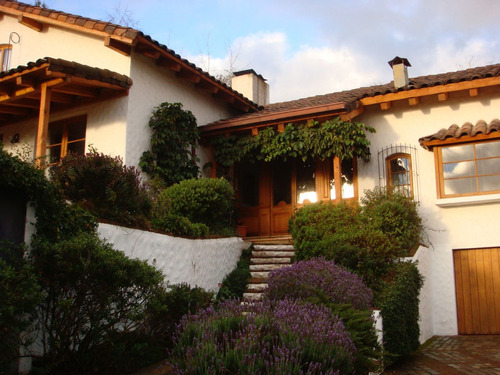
(261,338)
(319,279)
(399,307)
(175,133)
(20,294)
(235,283)
(104,186)
(201,202)
(307,141)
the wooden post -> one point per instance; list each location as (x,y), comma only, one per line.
(43,125)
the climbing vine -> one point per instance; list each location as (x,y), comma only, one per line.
(175,133)
(306,141)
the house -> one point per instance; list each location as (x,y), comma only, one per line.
(69,82)
(437,138)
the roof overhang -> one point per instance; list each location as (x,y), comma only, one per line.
(71,84)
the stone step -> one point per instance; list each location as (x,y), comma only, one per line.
(252,296)
(256,287)
(274,247)
(266,267)
(270,260)
(272,254)
(259,275)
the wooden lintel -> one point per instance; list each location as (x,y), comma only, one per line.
(30,22)
(255,131)
(118,46)
(43,124)
(474,92)
(444,96)
(281,127)
(413,101)
(385,106)
(172,65)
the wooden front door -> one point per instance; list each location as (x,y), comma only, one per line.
(477,285)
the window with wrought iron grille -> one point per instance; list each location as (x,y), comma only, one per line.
(398,169)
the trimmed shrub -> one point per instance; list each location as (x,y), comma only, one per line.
(287,338)
(180,226)
(399,307)
(318,279)
(104,186)
(206,200)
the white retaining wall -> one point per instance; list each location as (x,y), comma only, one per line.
(202,263)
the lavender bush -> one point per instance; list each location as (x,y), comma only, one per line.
(319,280)
(284,337)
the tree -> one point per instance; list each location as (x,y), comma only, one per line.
(122,15)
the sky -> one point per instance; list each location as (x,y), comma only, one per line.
(311,47)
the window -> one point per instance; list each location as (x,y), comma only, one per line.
(67,136)
(399,176)
(469,169)
(5,53)
(398,170)
(343,184)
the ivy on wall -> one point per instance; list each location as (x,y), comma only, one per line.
(306,141)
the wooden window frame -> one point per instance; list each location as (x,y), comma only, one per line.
(337,177)
(66,124)
(389,174)
(3,48)
(438,159)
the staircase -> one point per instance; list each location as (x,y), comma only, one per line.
(265,258)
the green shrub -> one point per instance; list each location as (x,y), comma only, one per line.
(104,186)
(20,294)
(207,201)
(399,308)
(235,283)
(180,226)
(95,297)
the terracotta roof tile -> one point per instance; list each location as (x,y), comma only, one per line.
(467,129)
(75,69)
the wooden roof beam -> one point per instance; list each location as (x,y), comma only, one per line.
(208,86)
(148,50)
(118,46)
(13,110)
(474,92)
(189,76)
(30,22)
(385,106)
(443,97)
(25,81)
(168,63)
(78,91)
(413,101)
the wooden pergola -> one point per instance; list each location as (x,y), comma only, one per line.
(48,85)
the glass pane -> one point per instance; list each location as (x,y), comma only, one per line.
(489,183)
(488,166)
(347,171)
(333,194)
(248,185)
(460,186)
(487,150)
(6,59)
(282,183)
(76,131)
(76,147)
(54,154)
(306,182)
(458,153)
(55,134)
(464,169)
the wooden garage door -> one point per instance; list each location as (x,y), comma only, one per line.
(477,284)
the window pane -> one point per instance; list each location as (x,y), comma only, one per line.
(54,154)
(55,134)
(282,183)
(248,185)
(76,131)
(347,171)
(306,182)
(463,169)
(6,59)
(489,183)
(458,153)
(487,150)
(76,147)
(460,186)
(488,166)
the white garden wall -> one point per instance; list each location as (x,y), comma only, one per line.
(202,263)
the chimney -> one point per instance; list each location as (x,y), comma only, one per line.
(251,85)
(398,65)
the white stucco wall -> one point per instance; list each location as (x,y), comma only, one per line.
(56,42)
(202,263)
(446,228)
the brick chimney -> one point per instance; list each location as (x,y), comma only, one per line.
(398,65)
(251,85)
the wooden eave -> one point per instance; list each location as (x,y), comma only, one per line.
(20,92)
(440,91)
(318,113)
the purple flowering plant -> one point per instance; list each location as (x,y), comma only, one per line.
(282,337)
